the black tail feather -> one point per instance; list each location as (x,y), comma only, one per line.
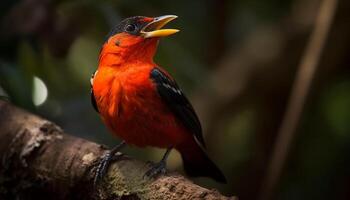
(197,163)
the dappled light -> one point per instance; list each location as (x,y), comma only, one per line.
(40,92)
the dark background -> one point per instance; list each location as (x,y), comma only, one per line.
(236,60)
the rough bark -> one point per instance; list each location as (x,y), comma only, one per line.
(39,161)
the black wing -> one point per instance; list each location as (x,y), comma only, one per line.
(92,96)
(178,103)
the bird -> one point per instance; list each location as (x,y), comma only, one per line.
(142,104)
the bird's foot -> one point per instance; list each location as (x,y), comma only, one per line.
(106,159)
(103,164)
(156,169)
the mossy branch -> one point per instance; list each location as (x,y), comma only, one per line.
(40,161)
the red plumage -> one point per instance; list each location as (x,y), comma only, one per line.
(127,98)
(130,104)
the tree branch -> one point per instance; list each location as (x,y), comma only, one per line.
(39,160)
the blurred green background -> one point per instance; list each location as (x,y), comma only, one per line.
(236,60)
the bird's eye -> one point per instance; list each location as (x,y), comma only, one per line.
(130,28)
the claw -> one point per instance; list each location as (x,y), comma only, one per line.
(103,165)
(156,170)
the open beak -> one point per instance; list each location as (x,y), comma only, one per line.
(153,29)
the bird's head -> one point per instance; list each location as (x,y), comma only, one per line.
(135,39)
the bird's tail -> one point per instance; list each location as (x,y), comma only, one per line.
(197,163)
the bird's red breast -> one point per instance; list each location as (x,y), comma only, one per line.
(132,109)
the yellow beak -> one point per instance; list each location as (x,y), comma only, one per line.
(153,29)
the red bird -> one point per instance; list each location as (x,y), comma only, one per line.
(142,104)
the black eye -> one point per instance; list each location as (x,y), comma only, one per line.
(130,28)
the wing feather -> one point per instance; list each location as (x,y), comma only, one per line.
(173,96)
